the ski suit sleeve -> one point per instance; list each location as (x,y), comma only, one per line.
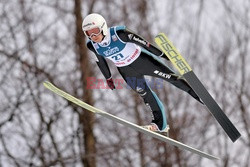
(127,35)
(102,63)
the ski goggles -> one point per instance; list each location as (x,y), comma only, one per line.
(93,32)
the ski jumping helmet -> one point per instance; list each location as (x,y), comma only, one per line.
(94,20)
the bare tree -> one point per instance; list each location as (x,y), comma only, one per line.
(42,40)
(86,118)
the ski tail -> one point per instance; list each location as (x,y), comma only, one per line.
(185,70)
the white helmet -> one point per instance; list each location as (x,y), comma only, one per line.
(94,20)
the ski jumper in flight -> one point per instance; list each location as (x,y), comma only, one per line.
(135,58)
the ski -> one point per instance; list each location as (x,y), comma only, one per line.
(185,70)
(138,128)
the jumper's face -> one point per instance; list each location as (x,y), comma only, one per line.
(94,34)
(97,38)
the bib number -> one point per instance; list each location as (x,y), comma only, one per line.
(117,57)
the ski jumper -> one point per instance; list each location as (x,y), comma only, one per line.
(135,58)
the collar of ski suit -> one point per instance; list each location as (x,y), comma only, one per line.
(106,40)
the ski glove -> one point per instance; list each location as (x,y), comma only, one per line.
(110,83)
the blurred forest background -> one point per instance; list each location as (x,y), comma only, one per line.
(42,40)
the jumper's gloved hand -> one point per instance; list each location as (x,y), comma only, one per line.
(110,83)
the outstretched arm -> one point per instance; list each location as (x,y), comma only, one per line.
(103,66)
(101,62)
(127,35)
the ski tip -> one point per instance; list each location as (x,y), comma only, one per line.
(160,34)
(47,84)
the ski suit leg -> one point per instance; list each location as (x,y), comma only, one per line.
(153,67)
(138,83)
